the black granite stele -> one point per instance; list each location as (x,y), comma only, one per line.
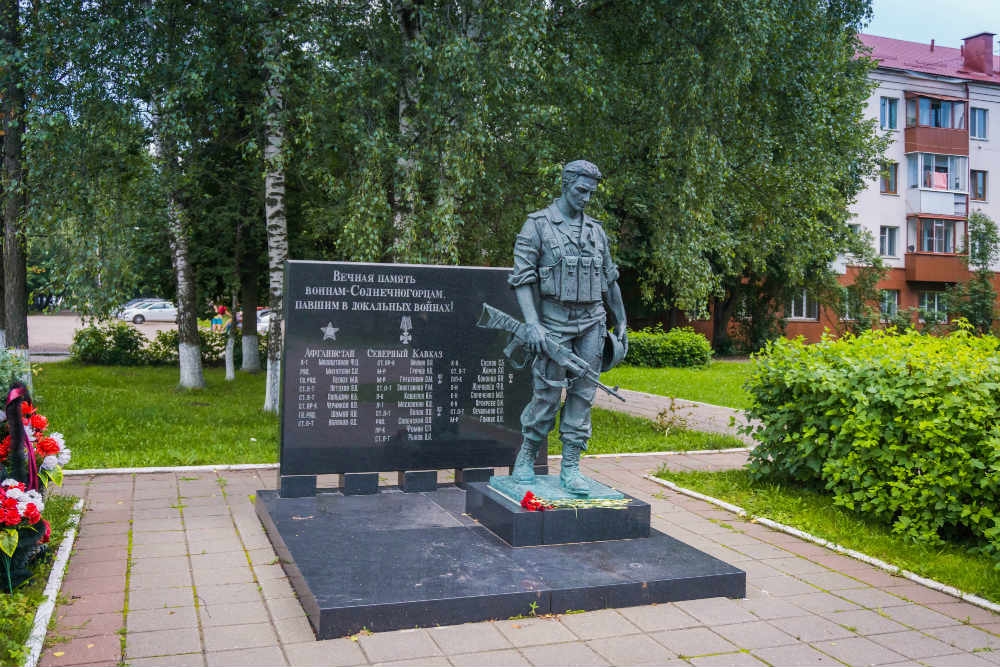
(522,528)
(412,481)
(401,560)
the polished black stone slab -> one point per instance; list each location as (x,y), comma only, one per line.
(521,528)
(464,476)
(395,560)
(411,481)
(358,483)
(384,369)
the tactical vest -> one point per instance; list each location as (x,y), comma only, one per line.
(570,278)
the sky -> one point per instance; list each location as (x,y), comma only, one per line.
(923,20)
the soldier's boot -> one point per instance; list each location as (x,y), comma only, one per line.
(524,464)
(569,472)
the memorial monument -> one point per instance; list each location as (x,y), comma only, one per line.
(391,368)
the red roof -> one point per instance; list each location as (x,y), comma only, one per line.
(943,60)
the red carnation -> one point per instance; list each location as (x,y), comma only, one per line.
(47,534)
(39,422)
(27,408)
(47,446)
(8,504)
(32,514)
(4,448)
(11,517)
(531,503)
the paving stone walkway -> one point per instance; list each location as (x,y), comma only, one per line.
(689,414)
(175,569)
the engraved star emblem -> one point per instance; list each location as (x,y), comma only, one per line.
(329,331)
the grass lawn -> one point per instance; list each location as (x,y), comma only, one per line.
(816,514)
(17,611)
(115,416)
(719,383)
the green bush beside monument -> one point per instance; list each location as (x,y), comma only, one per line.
(905,428)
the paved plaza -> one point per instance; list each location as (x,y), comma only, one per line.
(175,569)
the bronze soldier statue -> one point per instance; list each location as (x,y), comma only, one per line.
(563,276)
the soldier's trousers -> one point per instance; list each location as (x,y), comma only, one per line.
(548,379)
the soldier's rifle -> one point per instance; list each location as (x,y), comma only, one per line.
(519,354)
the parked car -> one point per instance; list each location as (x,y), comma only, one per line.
(135,303)
(263,320)
(152,311)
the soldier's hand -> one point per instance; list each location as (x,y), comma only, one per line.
(620,331)
(534,337)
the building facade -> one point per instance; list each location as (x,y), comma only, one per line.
(941,108)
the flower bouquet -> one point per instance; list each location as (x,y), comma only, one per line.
(20,511)
(47,451)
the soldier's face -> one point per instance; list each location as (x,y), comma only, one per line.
(578,194)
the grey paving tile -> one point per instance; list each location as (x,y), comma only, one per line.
(398,645)
(468,638)
(755,634)
(920,594)
(231,637)
(694,641)
(151,567)
(631,650)
(501,658)
(654,617)
(792,564)
(859,651)
(831,581)
(569,654)
(161,642)
(159,549)
(160,580)
(740,659)
(294,630)
(872,598)
(919,617)
(965,612)
(768,608)
(228,593)
(331,653)
(595,624)
(864,622)
(811,628)
(799,655)
(914,644)
(169,618)
(236,613)
(246,657)
(957,660)
(783,586)
(433,661)
(716,611)
(967,638)
(530,631)
(822,603)
(276,588)
(284,608)
(182,660)
(159,598)
(235,574)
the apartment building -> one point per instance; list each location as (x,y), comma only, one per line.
(941,107)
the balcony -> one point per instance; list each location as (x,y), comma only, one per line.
(944,140)
(928,267)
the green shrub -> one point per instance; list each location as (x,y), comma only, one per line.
(111,343)
(12,368)
(901,427)
(680,347)
(121,344)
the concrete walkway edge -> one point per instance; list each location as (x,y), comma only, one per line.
(833,546)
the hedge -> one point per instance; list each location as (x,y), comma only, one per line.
(904,428)
(121,344)
(679,347)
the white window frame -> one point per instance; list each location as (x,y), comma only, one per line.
(939,306)
(982,133)
(803,307)
(888,241)
(888,310)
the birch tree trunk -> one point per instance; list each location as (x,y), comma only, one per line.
(274,214)
(231,343)
(250,266)
(15,299)
(189,346)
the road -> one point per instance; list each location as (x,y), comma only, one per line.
(51,335)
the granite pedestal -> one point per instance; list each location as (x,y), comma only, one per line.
(394,560)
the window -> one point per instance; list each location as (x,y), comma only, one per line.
(977,183)
(937,236)
(854,227)
(889,304)
(890,172)
(887,113)
(940,113)
(942,172)
(803,306)
(933,302)
(978,123)
(850,303)
(887,241)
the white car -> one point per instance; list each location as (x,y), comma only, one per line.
(155,311)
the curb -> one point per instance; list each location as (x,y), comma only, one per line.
(865,558)
(37,637)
